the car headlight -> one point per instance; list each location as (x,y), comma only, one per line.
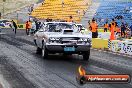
(89,40)
(84,40)
(54,40)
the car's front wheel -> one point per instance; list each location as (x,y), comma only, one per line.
(44,53)
(86,55)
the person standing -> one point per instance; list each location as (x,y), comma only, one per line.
(70,19)
(106,26)
(0,29)
(47,20)
(27,27)
(94,27)
(118,31)
(113,21)
(123,29)
(131,30)
(33,28)
(112,30)
(128,31)
(14,25)
(88,26)
(114,24)
(37,25)
(29,24)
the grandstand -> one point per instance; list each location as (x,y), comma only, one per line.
(107,9)
(56,9)
(10,6)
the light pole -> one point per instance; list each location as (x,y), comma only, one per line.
(62,2)
(4,7)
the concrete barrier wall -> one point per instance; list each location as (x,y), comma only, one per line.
(124,47)
(21,26)
(100,43)
(117,46)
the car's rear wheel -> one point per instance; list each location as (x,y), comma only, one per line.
(44,53)
(39,50)
(86,55)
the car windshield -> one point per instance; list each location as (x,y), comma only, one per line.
(57,27)
(80,26)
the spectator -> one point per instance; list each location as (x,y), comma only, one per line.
(37,25)
(106,26)
(33,28)
(0,29)
(114,24)
(123,29)
(89,27)
(14,25)
(31,8)
(118,31)
(29,26)
(47,20)
(112,29)
(107,20)
(127,9)
(63,3)
(94,27)
(128,32)
(131,30)
(84,12)
(70,19)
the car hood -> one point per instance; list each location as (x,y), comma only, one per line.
(49,34)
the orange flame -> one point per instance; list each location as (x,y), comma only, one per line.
(81,70)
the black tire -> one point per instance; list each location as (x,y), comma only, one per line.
(39,50)
(44,53)
(86,55)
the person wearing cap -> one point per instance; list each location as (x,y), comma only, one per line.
(94,27)
(14,25)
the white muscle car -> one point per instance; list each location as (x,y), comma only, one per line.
(62,37)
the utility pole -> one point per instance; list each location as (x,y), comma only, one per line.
(4,7)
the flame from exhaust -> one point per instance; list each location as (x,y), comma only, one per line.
(81,70)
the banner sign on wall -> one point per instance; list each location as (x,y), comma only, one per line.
(124,47)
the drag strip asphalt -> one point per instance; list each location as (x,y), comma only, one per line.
(21,67)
